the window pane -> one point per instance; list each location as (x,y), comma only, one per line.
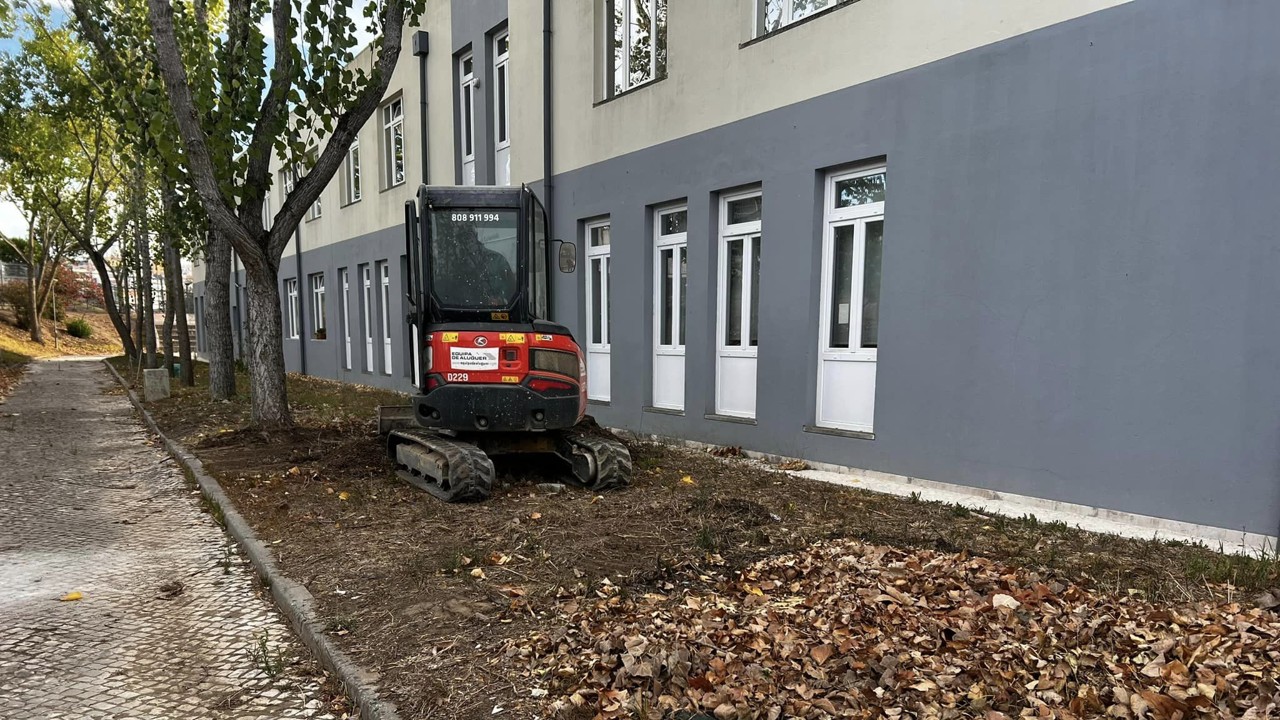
(397,145)
(608,299)
(684,283)
(600,236)
(474,257)
(805,8)
(619,28)
(673,223)
(841,285)
(539,260)
(733,300)
(860,191)
(665,294)
(744,210)
(355,172)
(502,103)
(597,277)
(467,66)
(871,285)
(466,120)
(503,44)
(771,14)
(660,38)
(755,288)
(641,43)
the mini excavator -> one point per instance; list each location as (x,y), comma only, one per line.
(494,375)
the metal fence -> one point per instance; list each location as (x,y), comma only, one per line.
(12,271)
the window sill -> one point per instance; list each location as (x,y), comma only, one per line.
(662,411)
(798,23)
(349,203)
(730,419)
(393,186)
(599,403)
(837,432)
(624,93)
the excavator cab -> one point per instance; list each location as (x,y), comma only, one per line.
(493,373)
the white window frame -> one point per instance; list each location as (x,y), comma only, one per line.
(393,140)
(316,281)
(384,276)
(267,218)
(366,276)
(788,13)
(611,69)
(291,293)
(857,216)
(675,243)
(354,179)
(467,111)
(598,345)
(501,109)
(750,233)
(345,317)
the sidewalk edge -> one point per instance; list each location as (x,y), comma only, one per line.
(291,597)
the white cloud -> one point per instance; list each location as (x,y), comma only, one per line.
(12,223)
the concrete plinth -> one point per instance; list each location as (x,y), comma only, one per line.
(155,384)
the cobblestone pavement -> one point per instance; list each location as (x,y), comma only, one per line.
(89,505)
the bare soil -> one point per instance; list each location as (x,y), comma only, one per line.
(428,594)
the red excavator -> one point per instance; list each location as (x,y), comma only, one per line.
(494,374)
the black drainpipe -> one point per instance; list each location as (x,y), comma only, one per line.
(302,313)
(546,110)
(420,47)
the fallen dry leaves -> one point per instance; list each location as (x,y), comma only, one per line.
(848,630)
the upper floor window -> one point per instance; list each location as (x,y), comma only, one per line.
(635,33)
(351,179)
(774,14)
(502,114)
(317,208)
(393,142)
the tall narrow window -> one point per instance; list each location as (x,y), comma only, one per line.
(501,115)
(366,279)
(466,117)
(294,323)
(774,14)
(635,35)
(385,307)
(738,303)
(853,246)
(267,218)
(317,306)
(671,272)
(352,179)
(344,315)
(598,296)
(317,209)
(393,142)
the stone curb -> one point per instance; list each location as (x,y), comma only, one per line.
(292,598)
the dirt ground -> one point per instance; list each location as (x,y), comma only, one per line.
(429,594)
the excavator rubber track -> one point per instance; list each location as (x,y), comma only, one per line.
(449,469)
(599,463)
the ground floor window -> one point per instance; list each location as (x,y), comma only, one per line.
(852,251)
(293,323)
(597,291)
(366,297)
(344,308)
(671,272)
(738,303)
(385,307)
(317,306)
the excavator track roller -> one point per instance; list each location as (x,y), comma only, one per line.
(449,469)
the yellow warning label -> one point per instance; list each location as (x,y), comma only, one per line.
(499,316)
(510,378)
(512,338)
(545,338)
(449,337)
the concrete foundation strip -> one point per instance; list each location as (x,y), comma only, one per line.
(293,599)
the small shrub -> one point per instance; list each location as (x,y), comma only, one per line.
(14,294)
(79,328)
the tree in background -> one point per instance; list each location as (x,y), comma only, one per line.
(232,112)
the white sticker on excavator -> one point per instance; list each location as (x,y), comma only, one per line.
(461,358)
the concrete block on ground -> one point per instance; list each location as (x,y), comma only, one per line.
(155,384)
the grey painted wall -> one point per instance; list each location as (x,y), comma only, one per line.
(1080,266)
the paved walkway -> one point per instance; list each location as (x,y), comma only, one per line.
(170,624)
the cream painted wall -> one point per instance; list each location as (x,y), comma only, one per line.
(712,81)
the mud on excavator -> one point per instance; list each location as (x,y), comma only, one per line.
(494,375)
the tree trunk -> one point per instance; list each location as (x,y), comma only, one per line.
(33,306)
(217,318)
(168,305)
(178,301)
(270,400)
(120,322)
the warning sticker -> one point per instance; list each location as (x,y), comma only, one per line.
(512,338)
(545,338)
(473,358)
(510,378)
(449,337)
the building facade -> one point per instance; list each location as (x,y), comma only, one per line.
(1023,247)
